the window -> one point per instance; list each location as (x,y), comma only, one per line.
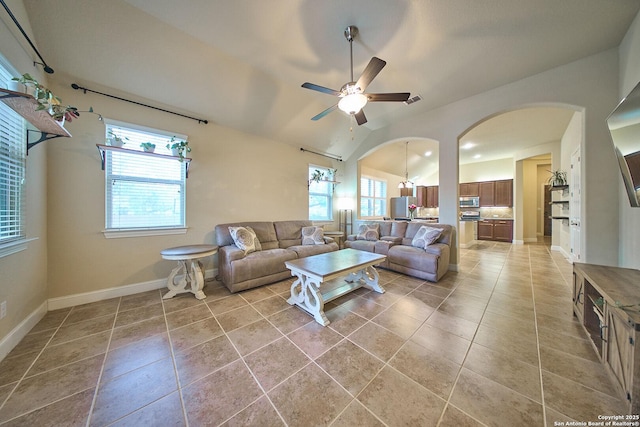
(373,197)
(143,192)
(320,196)
(13,155)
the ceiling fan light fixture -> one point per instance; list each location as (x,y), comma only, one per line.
(352,103)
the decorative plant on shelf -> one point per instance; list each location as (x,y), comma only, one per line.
(557,178)
(148,147)
(317,175)
(47,100)
(179,148)
(331,174)
(115,140)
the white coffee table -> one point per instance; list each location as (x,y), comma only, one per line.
(337,272)
(193,278)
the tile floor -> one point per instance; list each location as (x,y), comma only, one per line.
(494,344)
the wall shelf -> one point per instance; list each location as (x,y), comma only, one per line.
(559,202)
(559,187)
(103,148)
(26,106)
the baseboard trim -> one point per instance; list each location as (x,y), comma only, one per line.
(12,339)
(120,291)
(518,242)
(564,253)
(531,240)
(453,267)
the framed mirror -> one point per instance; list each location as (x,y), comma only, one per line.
(624,126)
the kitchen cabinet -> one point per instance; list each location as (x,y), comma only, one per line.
(428,197)
(485,229)
(500,230)
(487,193)
(503,230)
(599,295)
(469,189)
(503,195)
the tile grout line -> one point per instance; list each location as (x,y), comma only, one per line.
(104,360)
(19,382)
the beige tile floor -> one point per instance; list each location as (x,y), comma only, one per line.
(494,344)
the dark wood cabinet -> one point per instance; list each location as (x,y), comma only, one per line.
(503,193)
(500,230)
(432,196)
(469,189)
(485,230)
(487,193)
(428,197)
(421,195)
(492,193)
(503,230)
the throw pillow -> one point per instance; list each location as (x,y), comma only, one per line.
(368,232)
(312,235)
(245,238)
(425,237)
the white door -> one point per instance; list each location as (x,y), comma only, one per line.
(574,207)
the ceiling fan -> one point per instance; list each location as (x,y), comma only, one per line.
(352,96)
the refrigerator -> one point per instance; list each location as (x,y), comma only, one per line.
(400,206)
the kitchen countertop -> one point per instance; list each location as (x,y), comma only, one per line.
(485,218)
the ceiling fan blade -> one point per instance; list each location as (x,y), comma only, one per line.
(360,117)
(324,113)
(373,68)
(388,97)
(322,89)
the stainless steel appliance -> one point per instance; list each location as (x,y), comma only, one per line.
(470,216)
(470,202)
(400,206)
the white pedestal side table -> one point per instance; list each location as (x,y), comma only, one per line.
(193,278)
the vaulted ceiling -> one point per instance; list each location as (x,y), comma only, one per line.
(240,63)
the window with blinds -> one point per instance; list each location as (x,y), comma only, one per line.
(13,155)
(142,191)
(373,197)
(320,197)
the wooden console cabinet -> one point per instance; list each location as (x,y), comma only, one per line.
(598,294)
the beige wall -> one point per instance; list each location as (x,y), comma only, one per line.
(23,276)
(233,177)
(487,171)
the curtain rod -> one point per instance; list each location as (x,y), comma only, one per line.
(331,156)
(47,69)
(85,90)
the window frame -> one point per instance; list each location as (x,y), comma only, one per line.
(111,232)
(382,198)
(327,194)
(16,158)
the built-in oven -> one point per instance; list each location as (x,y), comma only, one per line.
(469,202)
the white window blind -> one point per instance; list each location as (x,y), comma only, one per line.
(320,196)
(373,197)
(13,154)
(142,191)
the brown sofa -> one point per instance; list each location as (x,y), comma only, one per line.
(394,239)
(280,240)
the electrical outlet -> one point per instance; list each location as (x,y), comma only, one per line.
(3,309)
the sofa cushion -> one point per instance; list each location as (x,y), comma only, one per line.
(264,230)
(368,232)
(259,264)
(312,235)
(304,251)
(362,245)
(425,237)
(413,258)
(289,233)
(245,238)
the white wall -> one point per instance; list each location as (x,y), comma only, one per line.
(629,218)
(487,171)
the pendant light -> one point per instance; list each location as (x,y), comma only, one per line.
(406,186)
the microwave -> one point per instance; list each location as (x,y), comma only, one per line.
(470,202)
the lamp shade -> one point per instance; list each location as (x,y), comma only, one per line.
(352,103)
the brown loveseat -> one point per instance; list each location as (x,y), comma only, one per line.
(280,241)
(395,239)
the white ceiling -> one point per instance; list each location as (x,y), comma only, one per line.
(240,63)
